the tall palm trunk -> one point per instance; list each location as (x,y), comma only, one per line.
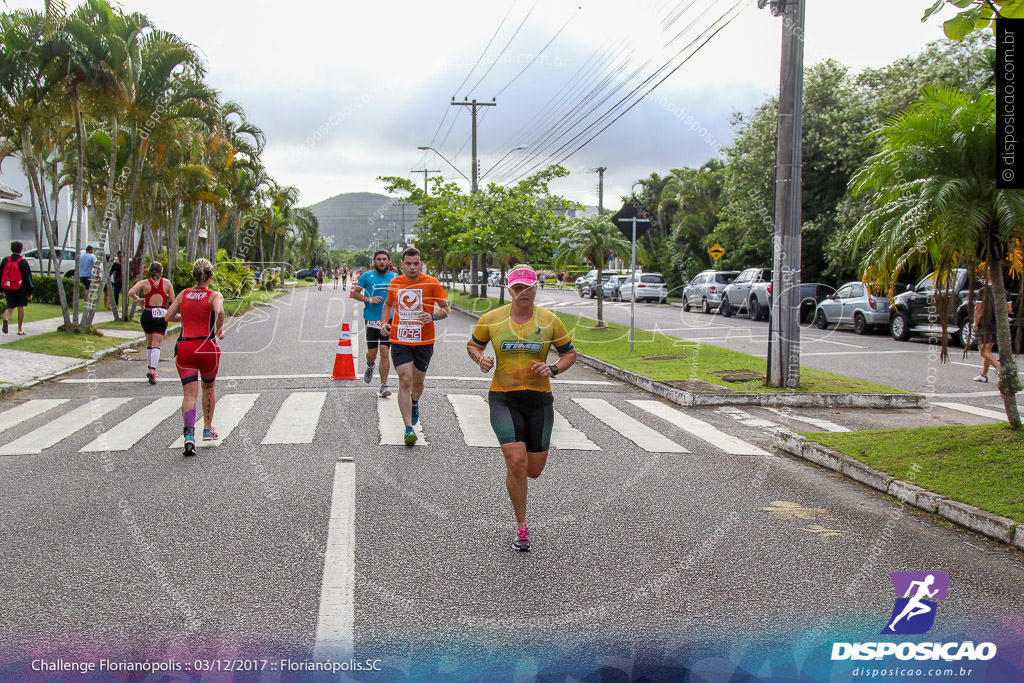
(600,295)
(1009,380)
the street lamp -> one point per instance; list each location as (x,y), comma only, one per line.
(423,149)
(502,159)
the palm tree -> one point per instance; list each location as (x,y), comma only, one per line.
(937,204)
(596,240)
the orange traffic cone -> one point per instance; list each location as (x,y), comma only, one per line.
(344,367)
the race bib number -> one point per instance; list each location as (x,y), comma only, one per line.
(410,304)
(408,333)
(375,324)
(158,312)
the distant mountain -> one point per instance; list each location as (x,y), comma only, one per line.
(354,218)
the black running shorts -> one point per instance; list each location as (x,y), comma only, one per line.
(523,416)
(151,325)
(418,355)
(375,338)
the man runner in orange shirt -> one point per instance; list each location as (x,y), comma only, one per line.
(413,303)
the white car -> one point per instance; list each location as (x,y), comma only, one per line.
(649,287)
(39,261)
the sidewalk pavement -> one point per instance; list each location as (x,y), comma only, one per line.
(22,369)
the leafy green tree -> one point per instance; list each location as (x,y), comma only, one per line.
(975,15)
(936,204)
(594,240)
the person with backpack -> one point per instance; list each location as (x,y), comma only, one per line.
(16,281)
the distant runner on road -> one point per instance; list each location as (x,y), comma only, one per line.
(521,403)
(201,311)
(413,303)
(372,289)
(157,294)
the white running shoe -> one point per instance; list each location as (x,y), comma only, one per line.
(981,378)
(384,391)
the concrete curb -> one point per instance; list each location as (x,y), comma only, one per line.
(792,400)
(975,519)
(96,357)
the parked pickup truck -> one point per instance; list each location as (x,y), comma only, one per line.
(759,299)
(916,311)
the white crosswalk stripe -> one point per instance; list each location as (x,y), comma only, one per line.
(28,410)
(123,436)
(297,419)
(702,430)
(227,414)
(974,410)
(61,427)
(634,430)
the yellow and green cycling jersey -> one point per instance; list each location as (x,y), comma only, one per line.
(518,345)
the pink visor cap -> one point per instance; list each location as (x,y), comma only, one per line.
(522,276)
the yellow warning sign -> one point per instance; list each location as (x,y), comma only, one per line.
(716,252)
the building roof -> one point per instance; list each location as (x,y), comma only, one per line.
(8,192)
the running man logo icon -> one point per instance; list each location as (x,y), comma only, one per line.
(914,612)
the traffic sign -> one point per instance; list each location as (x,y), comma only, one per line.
(623,219)
(716,252)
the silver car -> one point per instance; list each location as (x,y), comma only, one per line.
(705,290)
(862,305)
(611,287)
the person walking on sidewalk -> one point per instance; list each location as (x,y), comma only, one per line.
(16,281)
(201,312)
(520,399)
(371,289)
(985,330)
(413,303)
(86,262)
(157,294)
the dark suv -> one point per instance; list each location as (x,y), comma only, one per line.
(916,311)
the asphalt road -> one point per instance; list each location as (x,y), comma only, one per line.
(142,552)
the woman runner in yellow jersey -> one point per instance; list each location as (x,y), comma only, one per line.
(520,399)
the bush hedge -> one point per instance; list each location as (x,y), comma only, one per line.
(45,289)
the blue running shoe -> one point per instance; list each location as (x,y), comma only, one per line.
(210,435)
(410,436)
(415,412)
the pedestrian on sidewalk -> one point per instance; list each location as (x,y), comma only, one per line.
(157,294)
(521,403)
(85,266)
(201,312)
(985,330)
(413,303)
(116,280)
(16,281)
(371,289)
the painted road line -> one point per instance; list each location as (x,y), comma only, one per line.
(335,629)
(827,425)
(126,434)
(392,426)
(297,419)
(702,430)
(566,437)
(973,410)
(643,436)
(430,379)
(745,418)
(474,420)
(28,410)
(62,427)
(226,415)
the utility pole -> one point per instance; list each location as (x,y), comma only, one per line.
(474,188)
(600,189)
(784,337)
(425,172)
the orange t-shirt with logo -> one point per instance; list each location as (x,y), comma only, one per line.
(409,299)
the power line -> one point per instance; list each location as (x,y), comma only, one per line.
(535,57)
(498,58)
(487,47)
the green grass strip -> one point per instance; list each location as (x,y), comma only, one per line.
(981,465)
(696,361)
(65,344)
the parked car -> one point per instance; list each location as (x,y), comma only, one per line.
(965,329)
(759,299)
(705,290)
(39,261)
(649,287)
(613,285)
(583,282)
(594,285)
(916,311)
(303,273)
(862,305)
(736,294)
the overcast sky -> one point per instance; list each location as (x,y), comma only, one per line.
(346,92)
